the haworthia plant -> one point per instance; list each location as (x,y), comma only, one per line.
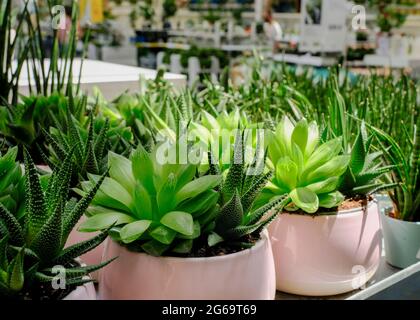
(31,248)
(241,185)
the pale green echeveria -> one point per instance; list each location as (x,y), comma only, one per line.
(305,169)
(156,208)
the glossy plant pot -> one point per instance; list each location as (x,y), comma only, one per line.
(92,257)
(402,241)
(84,292)
(326,254)
(246,275)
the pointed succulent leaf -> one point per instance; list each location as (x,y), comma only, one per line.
(234,177)
(13,228)
(196,187)
(75,251)
(121,171)
(143,168)
(104,221)
(16,272)
(74,216)
(250,195)
(48,242)
(36,207)
(230,215)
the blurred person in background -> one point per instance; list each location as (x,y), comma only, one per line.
(272,29)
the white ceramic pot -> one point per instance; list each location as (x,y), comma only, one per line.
(402,241)
(245,275)
(327,254)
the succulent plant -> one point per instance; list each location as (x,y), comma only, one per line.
(240,187)
(31,248)
(88,147)
(157,208)
(406,174)
(305,169)
(12,183)
(365,168)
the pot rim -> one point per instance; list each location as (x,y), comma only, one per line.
(257,246)
(333,214)
(416,223)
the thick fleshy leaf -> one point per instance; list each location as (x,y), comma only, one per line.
(335,167)
(313,139)
(16,272)
(196,187)
(179,221)
(143,203)
(231,214)
(200,204)
(300,135)
(330,200)
(324,186)
(163,234)
(196,232)
(104,221)
(166,195)
(132,231)
(286,173)
(112,189)
(305,199)
(155,248)
(120,170)
(143,168)
(322,154)
(183,246)
(214,239)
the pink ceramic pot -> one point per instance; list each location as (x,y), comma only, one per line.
(85,292)
(92,257)
(328,254)
(246,275)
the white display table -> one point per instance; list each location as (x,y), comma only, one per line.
(394,62)
(112,79)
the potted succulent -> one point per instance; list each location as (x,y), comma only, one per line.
(328,239)
(182,236)
(401,224)
(33,263)
(89,149)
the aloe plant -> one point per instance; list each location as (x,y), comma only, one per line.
(32,248)
(157,208)
(305,169)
